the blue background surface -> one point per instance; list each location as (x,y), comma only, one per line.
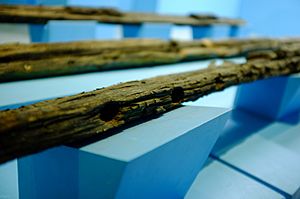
(264,18)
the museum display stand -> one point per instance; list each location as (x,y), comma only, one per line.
(72,30)
(156,159)
(257,154)
(250,151)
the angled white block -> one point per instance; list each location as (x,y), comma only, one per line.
(14,33)
(217,180)
(181,33)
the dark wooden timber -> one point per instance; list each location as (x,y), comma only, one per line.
(42,14)
(79,117)
(26,61)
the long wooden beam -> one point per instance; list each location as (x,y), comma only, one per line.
(74,119)
(42,14)
(26,61)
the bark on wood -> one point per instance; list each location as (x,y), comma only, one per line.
(42,14)
(25,61)
(76,118)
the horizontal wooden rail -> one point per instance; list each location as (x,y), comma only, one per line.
(26,61)
(42,14)
(76,118)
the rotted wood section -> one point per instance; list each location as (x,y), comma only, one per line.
(74,119)
(27,61)
(42,14)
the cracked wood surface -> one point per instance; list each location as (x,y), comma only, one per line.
(42,14)
(76,118)
(28,61)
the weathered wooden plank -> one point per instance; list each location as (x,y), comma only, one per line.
(25,61)
(42,14)
(79,117)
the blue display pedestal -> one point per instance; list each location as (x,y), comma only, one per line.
(275,98)
(261,139)
(217,180)
(63,31)
(215,32)
(145,30)
(269,155)
(14,1)
(200,32)
(149,6)
(257,155)
(234,31)
(50,174)
(157,159)
(9,180)
(148,30)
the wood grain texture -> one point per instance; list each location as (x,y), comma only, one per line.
(42,14)
(74,119)
(27,61)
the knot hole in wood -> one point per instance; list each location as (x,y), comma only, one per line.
(177,94)
(109,111)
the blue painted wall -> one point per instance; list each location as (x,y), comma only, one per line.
(228,8)
(271,17)
(265,17)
